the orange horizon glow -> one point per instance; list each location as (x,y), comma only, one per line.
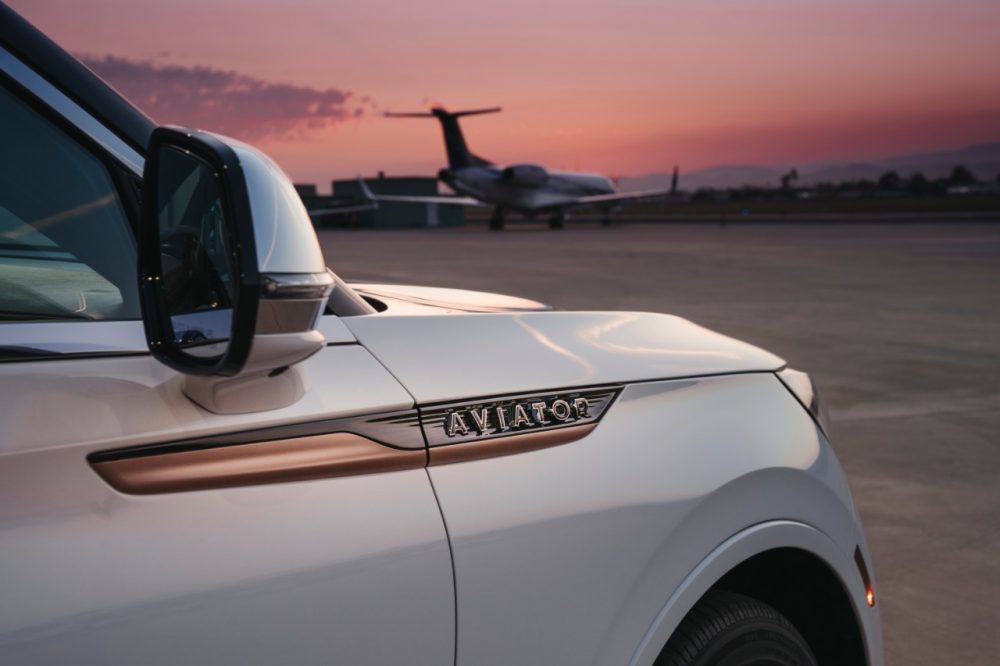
(626,88)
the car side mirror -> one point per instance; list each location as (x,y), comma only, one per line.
(232,279)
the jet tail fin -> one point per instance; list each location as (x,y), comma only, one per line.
(459,155)
(475,112)
(437,112)
(413,114)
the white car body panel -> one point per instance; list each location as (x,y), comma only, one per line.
(116,402)
(574,550)
(412,299)
(310,572)
(458,357)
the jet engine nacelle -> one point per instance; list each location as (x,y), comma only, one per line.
(526,175)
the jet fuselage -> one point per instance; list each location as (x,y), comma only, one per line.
(560,189)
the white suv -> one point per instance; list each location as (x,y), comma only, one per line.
(214,451)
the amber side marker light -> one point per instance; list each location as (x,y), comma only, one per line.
(859,559)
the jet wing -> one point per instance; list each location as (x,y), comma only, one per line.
(341,210)
(445,200)
(622,197)
(370,201)
(403,198)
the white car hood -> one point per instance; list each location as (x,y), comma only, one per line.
(409,299)
(450,357)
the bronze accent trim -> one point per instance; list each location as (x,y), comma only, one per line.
(280,460)
(398,430)
(506,446)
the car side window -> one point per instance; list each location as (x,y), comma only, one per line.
(66,249)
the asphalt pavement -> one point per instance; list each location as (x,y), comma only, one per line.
(898,323)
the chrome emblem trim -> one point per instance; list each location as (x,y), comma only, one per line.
(496,417)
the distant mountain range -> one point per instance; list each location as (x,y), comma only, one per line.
(982,159)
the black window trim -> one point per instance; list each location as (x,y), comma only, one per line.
(61,71)
(18,339)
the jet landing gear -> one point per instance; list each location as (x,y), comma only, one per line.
(496,219)
(557,221)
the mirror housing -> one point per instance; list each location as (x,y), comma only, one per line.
(232,279)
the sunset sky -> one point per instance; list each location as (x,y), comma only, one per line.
(623,87)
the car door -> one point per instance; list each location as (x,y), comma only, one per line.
(348,566)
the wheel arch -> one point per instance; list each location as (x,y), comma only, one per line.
(803,588)
(784,554)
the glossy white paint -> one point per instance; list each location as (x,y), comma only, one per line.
(349,570)
(440,299)
(456,357)
(74,337)
(569,555)
(335,331)
(92,404)
(283,232)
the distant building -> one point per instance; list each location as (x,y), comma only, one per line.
(307,191)
(314,201)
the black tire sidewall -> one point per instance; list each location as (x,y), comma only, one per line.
(729,629)
(756,642)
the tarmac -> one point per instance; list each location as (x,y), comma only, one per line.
(898,323)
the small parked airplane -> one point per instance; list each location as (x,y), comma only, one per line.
(528,189)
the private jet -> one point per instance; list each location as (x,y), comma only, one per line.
(528,189)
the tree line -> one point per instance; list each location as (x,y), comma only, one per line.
(889,183)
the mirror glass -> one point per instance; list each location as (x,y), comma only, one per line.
(196,258)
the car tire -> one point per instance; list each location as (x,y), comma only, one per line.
(728,629)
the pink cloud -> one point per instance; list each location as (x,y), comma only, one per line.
(225,101)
